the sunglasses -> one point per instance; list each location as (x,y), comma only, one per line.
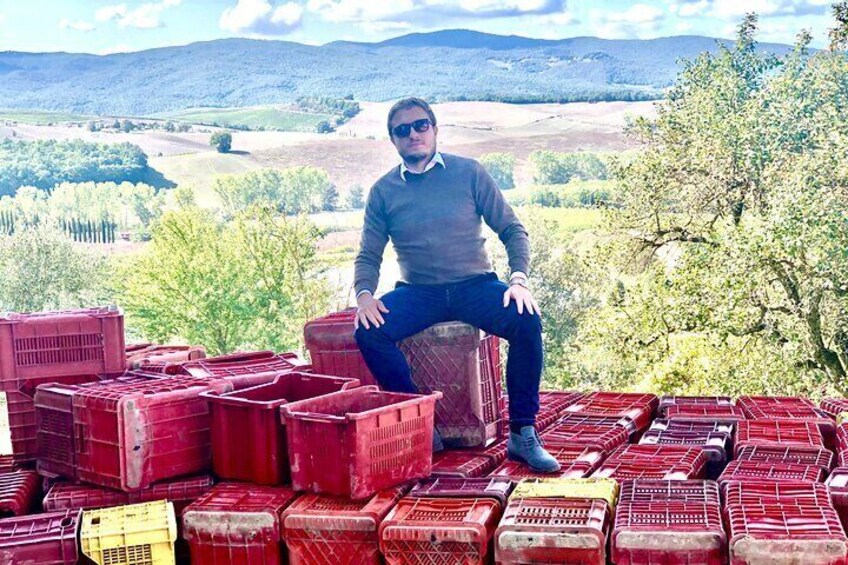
(403,130)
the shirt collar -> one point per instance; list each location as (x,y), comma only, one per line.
(436,160)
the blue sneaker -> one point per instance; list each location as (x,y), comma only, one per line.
(527,448)
(438,444)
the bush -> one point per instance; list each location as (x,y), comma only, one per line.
(560,168)
(356,198)
(324,127)
(222,141)
(290,191)
(501,167)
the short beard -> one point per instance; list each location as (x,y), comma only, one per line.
(414,158)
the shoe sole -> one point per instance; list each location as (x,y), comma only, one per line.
(520,459)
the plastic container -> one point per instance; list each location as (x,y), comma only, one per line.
(237,523)
(837,486)
(721,413)
(758,471)
(333,349)
(653,462)
(136,534)
(243,370)
(489,487)
(605,438)
(794,455)
(833,407)
(461,464)
(789,408)
(580,489)
(19,491)
(668,532)
(778,432)
(769,493)
(575,461)
(327,530)
(248,437)
(556,401)
(7,463)
(359,441)
(636,406)
(423,531)
(447,358)
(132,437)
(37,348)
(692,426)
(497,451)
(568,419)
(43,539)
(553,530)
(780,533)
(715,445)
(182,492)
(161,354)
(651,491)
(667,401)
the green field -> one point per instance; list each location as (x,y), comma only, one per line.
(37,118)
(267,117)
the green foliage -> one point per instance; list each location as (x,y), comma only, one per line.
(356,198)
(258,118)
(290,191)
(501,166)
(575,194)
(44,164)
(559,168)
(222,141)
(250,283)
(41,269)
(344,108)
(324,127)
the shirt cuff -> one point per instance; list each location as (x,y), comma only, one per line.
(517,274)
(363,291)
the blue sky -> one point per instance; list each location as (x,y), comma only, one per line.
(107,26)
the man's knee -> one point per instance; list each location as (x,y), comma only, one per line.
(365,337)
(525,326)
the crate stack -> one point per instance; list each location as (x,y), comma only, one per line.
(837,481)
(632,410)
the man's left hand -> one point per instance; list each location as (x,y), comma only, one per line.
(523,299)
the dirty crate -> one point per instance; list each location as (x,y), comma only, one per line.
(779,454)
(759,471)
(605,438)
(715,445)
(462,464)
(243,369)
(135,534)
(580,489)
(552,531)
(636,406)
(427,530)
(43,539)
(132,437)
(769,493)
(237,524)
(837,486)
(789,408)
(653,462)
(248,437)
(331,530)
(487,487)
(333,349)
(668,532)
(48,346)
(19,491)
(153,355)
(575,462)
(641,491)
(784,433)
(359,441)
(721,413)
(668,401)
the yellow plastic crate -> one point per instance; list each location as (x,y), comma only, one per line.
(136,534)
(600,489)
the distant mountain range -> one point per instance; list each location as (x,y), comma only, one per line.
(443,65)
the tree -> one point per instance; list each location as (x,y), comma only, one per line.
(222,141)
(356,197)
(501,167)
(560,168)
(250,283)
(127,126)
(169,126)
(330,198)
(324,126)
(290,191)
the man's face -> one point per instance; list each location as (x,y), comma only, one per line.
(419,146)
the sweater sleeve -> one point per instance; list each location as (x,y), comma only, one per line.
(499,216)
(375,236)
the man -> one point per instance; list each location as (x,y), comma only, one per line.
(432,207)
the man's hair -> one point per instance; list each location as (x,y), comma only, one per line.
(406,103)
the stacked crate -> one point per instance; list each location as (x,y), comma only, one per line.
(663,462)
(713,438)
(668,522)
(638,409)
(788,409)
(19,491)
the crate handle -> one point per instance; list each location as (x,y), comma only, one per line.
(317,417)
(79,439)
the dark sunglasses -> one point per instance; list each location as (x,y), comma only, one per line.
(403,130)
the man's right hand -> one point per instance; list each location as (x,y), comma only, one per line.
(369,310)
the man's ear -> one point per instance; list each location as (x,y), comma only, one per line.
(436,130)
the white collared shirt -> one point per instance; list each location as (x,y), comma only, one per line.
(436,160)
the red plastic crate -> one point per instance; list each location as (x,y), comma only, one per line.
(243,370)
(7,463)
(248,437)
(653,462)
(54,419)
(768,493)
(842,436)
(461,464)
(668,532)
(182,492)
(489,487)
(45,539)
(553,530)
(643,491)
(497,451)
(756,406)
(423,531)
(568,419)
(37,348)
(19,491)
(544,420)
(794,455)
(721,413)
(133,348)
(833,407)
(143,433)
(557,401)
(329,530)
(576,462)
(692,426)
(781,533)
(778,432)
(759,471)
(668,401)
(238,524)
(636,406)
(837,486)
(789,408)
(333,349)
(715,445)
(359,441)
(605,438)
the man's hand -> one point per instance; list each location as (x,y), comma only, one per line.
(369,310)
(523,299)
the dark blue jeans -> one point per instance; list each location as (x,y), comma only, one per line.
(477,301)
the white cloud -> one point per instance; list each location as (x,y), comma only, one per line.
(428,11)
(107,13)
(637,22)
(146,16)
(261,18)
(735,9)
(78,26)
